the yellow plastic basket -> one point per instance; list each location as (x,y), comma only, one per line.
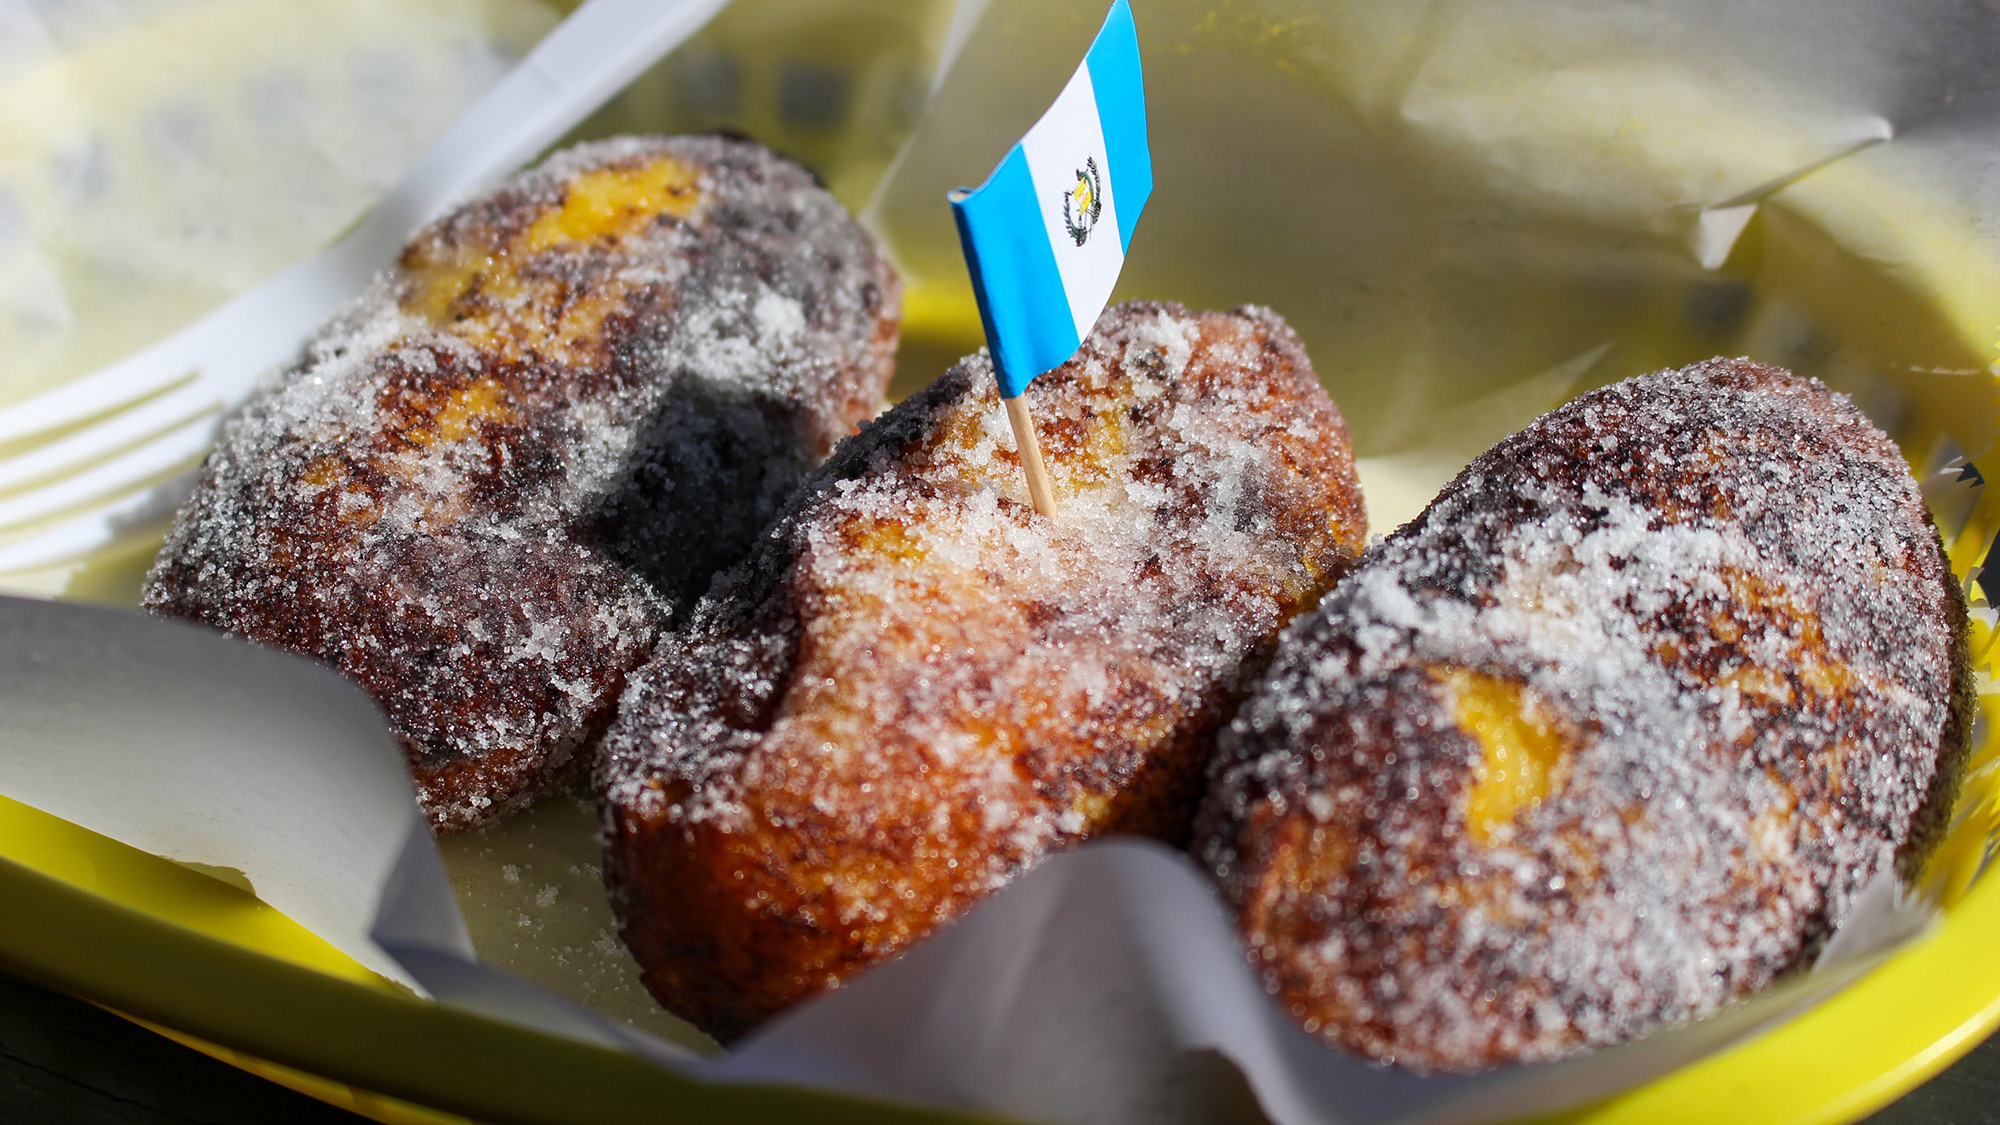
(208,964)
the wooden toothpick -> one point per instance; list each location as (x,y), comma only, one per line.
(1031,455)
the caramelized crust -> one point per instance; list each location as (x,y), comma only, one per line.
(917,687)
(494,477)
(1610,734)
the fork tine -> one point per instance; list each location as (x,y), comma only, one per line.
(132,378)
(223,352)
(120,474)
(102,525)
(116,432)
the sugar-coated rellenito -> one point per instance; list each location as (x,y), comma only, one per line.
(1611,734)
(493,478)
(917,687)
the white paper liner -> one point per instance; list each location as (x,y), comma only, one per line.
(191,745)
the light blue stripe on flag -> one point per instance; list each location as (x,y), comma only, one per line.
(1045,235)
(1121,111)
(1021,302)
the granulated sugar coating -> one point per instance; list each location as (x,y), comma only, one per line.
(1610,734)
(917,687)
(495,476)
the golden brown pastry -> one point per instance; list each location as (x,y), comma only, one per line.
(1610,734)
(916,687)
(492,478)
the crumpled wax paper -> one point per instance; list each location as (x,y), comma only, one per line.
(159,156)
(156,156)
(1471,212)
(1517,200)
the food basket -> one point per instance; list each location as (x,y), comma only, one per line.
(1470,213)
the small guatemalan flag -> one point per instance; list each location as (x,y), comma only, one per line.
(1046,234)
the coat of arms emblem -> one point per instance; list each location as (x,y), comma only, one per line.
(1084,202)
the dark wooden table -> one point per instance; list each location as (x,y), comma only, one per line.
(63,1061)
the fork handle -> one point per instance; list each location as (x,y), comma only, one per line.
(577,67)
(589,57)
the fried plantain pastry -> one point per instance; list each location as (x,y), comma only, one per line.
(493,478)
(1612,733)
(917,687)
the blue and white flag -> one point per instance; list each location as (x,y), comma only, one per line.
(1045,235)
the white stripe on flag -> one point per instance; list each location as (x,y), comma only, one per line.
(1064,149)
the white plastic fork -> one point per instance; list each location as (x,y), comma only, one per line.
(160,407)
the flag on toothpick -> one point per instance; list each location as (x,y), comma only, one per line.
(1045,235)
